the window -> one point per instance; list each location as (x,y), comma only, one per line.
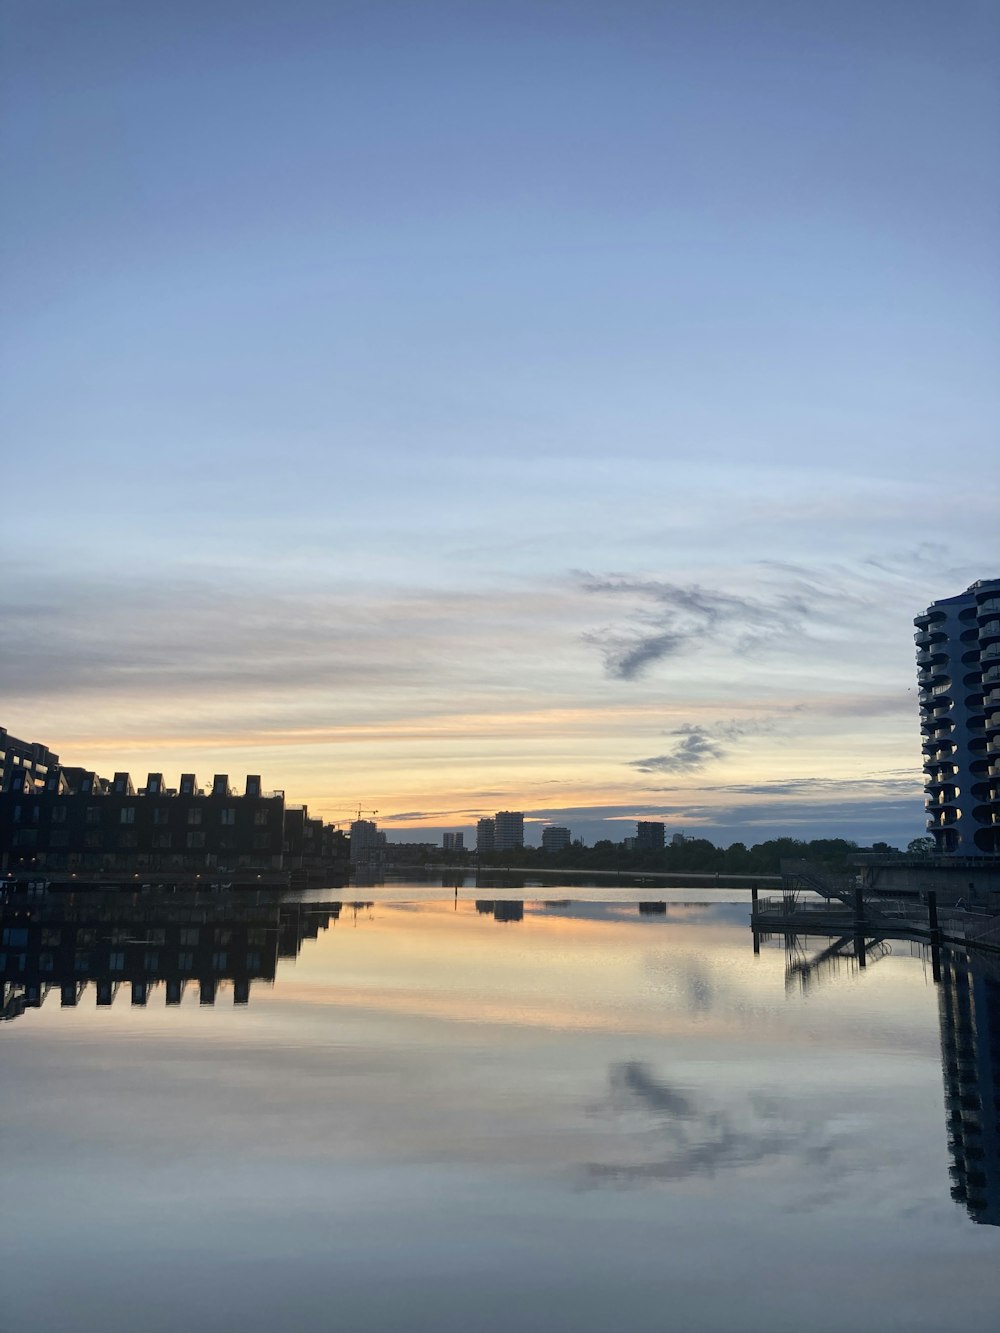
(92,839)
(18,813)
(195,840)
(161,815)
(194,816)
(185,962)
(116,962)
(51,937)
(82,962)
(93,814)
(46,963)
(59,837)
(59,813)
(256,936)
(223,936)
(189,935)
(128,839)
(150,960)
(260,841)
(127,814)
(253,962)
(162,840)
(16,935)
(229,816)
(218,962)
(262,817)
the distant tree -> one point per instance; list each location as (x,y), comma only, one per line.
(921,846)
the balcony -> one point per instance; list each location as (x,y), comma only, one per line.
(991,607)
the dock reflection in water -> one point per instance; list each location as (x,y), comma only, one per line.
(622,1104)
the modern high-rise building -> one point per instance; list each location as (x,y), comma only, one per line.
(509,830)
(486,835)
(555,838)
(367,843)
(649,835)
(958,671)
(453,842)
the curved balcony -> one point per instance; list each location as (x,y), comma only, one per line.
(925,637)
(947,839)
(938,819)
(987,839)
(990,632)
(991,677)
(989,607)
(988,814)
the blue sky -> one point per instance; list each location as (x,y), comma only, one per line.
(441,407)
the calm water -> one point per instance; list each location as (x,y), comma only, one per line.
(438,1113)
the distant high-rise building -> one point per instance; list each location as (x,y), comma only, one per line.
(958,671)
(555,838)
(509,830)
(453,842)
(486,836)
(367,843)
(649,836)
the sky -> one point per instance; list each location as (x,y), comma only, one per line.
(440,408)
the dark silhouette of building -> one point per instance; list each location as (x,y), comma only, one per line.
(958,674)
(486,835)
(26,759)
(649,836)
(79,826)
(508,830)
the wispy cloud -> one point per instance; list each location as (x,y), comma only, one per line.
(672,618)
(695,745)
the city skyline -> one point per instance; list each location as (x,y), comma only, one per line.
(453,409)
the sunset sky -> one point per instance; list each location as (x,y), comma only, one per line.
(447,407)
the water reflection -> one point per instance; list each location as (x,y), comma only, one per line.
(969,1008)
(68,943)
(659,1128)
(968,987)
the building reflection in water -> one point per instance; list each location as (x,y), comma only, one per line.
(969,1010)
(68,943)
(501,909)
